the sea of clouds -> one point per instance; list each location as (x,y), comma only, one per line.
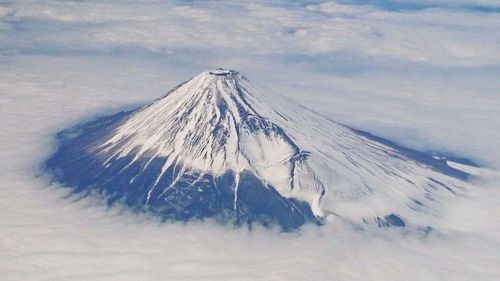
(424,74)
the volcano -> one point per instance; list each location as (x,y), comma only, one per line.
(217,147)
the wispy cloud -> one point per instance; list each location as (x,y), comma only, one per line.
(431,36)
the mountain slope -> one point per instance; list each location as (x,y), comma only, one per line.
(216,147)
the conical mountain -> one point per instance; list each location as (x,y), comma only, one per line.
(215,146)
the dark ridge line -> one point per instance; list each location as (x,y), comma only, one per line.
(427,158)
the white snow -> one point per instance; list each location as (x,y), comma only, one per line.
(219,121)
(465,168)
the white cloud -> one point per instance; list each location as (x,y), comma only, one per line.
(436,37)
(451,3)
(427,78)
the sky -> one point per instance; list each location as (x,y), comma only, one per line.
(421,73)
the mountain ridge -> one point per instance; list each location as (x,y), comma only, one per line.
(217,133)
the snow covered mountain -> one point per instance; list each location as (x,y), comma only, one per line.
(215,146)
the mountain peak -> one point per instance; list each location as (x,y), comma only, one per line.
(219,74)
(222,72)
(222,87)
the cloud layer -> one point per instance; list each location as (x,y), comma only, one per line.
(426,77)
(434,36)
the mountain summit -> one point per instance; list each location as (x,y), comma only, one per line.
(216,147)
